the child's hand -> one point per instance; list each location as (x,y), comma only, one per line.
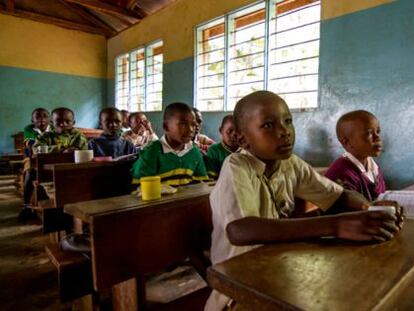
(367,226)
(399,210)
(148,126)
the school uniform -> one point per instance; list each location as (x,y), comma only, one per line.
(60,142)
(243,190)
(349,172)
(104,146)
(30,132)
(216,154)
(176,168)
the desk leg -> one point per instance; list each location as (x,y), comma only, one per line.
(129,295)
(77,225)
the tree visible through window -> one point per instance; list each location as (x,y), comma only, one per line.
(272,45)
(138,79)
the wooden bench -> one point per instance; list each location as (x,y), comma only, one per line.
(74,273)
(76,182)
(144,237)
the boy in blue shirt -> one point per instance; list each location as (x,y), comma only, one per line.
(109,143)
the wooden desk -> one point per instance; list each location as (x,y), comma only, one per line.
(322,275)
(77,182)
(131,237)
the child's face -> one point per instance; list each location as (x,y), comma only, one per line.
(228,135)
(180,128)
(364,140)
(125,116)
(199,122)
(63,121)
(41,119)
(138,123)
(111,123)
(269,134)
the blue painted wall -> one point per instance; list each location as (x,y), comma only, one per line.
(365,63)
(23,90)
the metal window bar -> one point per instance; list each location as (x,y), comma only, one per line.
(246,55)
(210,51)
(207,64)
(295,60)
(297,92)
(211,87)
(248,26)
(211,75)
(211,39)
(243,83)
(297,10)
(294,44)
(247,68)
(211,98)
(295,76)
(295,28)
(247,41)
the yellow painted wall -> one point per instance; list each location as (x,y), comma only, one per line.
(335,8)
(175,25)
(33,45)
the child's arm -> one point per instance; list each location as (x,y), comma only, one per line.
(359,226)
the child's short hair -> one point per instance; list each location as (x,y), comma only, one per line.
(133,115)
(40,109)
(62,109)
(348,117)
(244,106)
(228,118)
(108,110)
(173,108)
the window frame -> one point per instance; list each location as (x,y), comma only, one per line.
(146,48)
(270,13)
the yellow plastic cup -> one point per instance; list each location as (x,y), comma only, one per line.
(151,188)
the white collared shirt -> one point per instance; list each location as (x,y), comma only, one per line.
(48,129)
(243,190)
(166,148)
(371,172)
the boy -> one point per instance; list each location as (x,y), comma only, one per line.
(109,143)
(125,121)
(141,132)
(174,157)
(256,190)
(40,124)
(65,138)
(218,152)
(202,141)
(359,133)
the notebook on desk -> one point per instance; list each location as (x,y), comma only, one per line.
(403,197)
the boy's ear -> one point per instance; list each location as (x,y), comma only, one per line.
(165,126)
(242,142)
(344,141)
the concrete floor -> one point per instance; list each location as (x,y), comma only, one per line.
(28,281)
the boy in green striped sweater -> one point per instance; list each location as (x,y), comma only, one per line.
(218,152)
(174,157)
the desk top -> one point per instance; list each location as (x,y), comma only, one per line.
(321,275)
(71,166)
(87,210)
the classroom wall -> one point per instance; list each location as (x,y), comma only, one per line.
(48,66)
(365,63)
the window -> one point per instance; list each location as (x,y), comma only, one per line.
(138,79)
(272,45)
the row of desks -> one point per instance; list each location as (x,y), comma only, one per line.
(319,274)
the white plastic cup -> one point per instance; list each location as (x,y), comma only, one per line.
(82,156)
(386,208)
(42,149)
